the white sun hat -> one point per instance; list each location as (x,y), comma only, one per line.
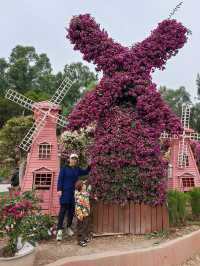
(73,155)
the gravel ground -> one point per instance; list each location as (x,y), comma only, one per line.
(194,261)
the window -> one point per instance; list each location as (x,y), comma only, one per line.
(188,181)
(170,171)
(44,151)
(43,181)
(183,159)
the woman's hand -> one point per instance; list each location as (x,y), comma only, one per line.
(59,193)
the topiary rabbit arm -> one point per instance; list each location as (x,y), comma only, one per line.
(94,43)
(164,42)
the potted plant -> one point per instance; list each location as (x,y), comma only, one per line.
(13,211)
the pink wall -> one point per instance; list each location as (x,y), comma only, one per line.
(46,134)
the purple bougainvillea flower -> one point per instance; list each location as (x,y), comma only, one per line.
(128,111)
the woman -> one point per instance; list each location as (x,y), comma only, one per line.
(68,176)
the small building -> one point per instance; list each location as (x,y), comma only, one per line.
(43,165)
(183,173)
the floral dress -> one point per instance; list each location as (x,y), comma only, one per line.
(82,203)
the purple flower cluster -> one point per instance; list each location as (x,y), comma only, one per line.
(195,145)
(129,113)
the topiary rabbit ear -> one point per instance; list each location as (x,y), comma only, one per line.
(93,42)
(163,43)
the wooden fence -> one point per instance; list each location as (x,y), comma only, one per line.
(132,218)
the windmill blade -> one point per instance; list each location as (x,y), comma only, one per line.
(185,117)
(35,129)
(183,152)
(62,90)
(195,136)
(165,135)
(20,99)
(32,134)
(61,120)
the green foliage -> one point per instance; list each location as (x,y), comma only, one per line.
(195,117)
(37,95)
(177,202)
(77,142)
(8,110)
(198,85)
(84,80)
(175,98)
(12,133)
(31,74)
(195,201)
(27,69)
(38,227)
(4,173)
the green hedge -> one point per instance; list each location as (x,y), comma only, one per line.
(177,202)
(195,201)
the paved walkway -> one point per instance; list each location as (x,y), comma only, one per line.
(4,187)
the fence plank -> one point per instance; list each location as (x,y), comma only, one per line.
(127,218)
(165,218)
(121,219)
(153,219)
(116,218)
(111,218)
(132,218)
(159,218)
(137,219)
(148,219)
(95,216)
(100,217)
(105,217)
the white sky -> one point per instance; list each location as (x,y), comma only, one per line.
(41,23)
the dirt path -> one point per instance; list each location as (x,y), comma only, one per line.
(51,251)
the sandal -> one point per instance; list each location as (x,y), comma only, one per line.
(82,243)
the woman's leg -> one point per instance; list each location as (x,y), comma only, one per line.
(61,216)
(70,214)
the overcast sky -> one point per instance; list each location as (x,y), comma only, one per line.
(41,23)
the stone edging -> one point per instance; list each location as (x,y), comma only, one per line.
(171,253)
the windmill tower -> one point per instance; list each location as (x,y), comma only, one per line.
(40,142)
(183,173)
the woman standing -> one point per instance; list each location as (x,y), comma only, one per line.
(68,176)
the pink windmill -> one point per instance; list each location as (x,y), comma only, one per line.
(183,173)
(40,142)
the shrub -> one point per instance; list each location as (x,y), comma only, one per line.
(177,202)
(38,227)
(20,217)
(4,173)
(195,201)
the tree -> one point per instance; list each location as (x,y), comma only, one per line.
(28,70)
(3,76)
(12,134)
(28,73)
(195,117)
(198,85)
(83,79)
(31,74)
(175,98)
